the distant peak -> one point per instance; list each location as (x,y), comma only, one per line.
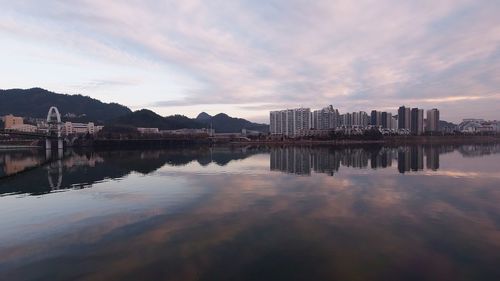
(37,90)
(222,115)
(145,111)
(203,116)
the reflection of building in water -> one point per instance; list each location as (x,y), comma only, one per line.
(154,154)
(291,160)
(356,158)
(325,161)
(404,159)
(432,157)
(301,160)
(417,158)
(13,165)
(80,169)
(412,158)
(382,158)
(476,150)
(82,160)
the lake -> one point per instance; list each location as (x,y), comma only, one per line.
(428,212)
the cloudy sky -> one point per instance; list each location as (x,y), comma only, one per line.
(248,57)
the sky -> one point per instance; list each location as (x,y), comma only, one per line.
(248,57)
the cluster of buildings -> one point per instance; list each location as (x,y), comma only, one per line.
(16,123)
(479,126)
(412,120)
(304,122)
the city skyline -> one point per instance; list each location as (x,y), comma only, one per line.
(246,58)
(306,122)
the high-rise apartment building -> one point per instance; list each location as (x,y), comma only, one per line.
(417,121)
(383,121)
(414,121)
(346,119)
(432,122)
(404,117)
(302,120)
(358,119)
(373,118)
(381,118)
(408,118)
(290,122)
(394,123)
(376,118)
(401,117)
(326,118)
(364,119)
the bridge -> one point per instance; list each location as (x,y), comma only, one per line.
(27,134)
(53,133)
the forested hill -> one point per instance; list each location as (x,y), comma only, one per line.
(223,123)
(35,102)
(148,118)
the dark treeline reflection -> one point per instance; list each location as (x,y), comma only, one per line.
(79,169)
(305,159)
(35,173)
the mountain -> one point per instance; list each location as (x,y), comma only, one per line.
(35,102)
(222,123)
(149,119)
(203,116)
(139,118)
(180,121)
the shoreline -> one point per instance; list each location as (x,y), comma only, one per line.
(391,140)
(164,143)
(10,147)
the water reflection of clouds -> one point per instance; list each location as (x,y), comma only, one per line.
(398,220)
(361,223)
(462,174)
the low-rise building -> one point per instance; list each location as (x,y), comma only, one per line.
(27,128)
(70,128)
(479,126)
(247,133)
(470,125)
(186,131)
(148,130)
(11,121)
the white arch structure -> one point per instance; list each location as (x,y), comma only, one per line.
(54,121)
(54,127)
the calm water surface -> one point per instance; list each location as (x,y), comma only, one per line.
(281,213)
